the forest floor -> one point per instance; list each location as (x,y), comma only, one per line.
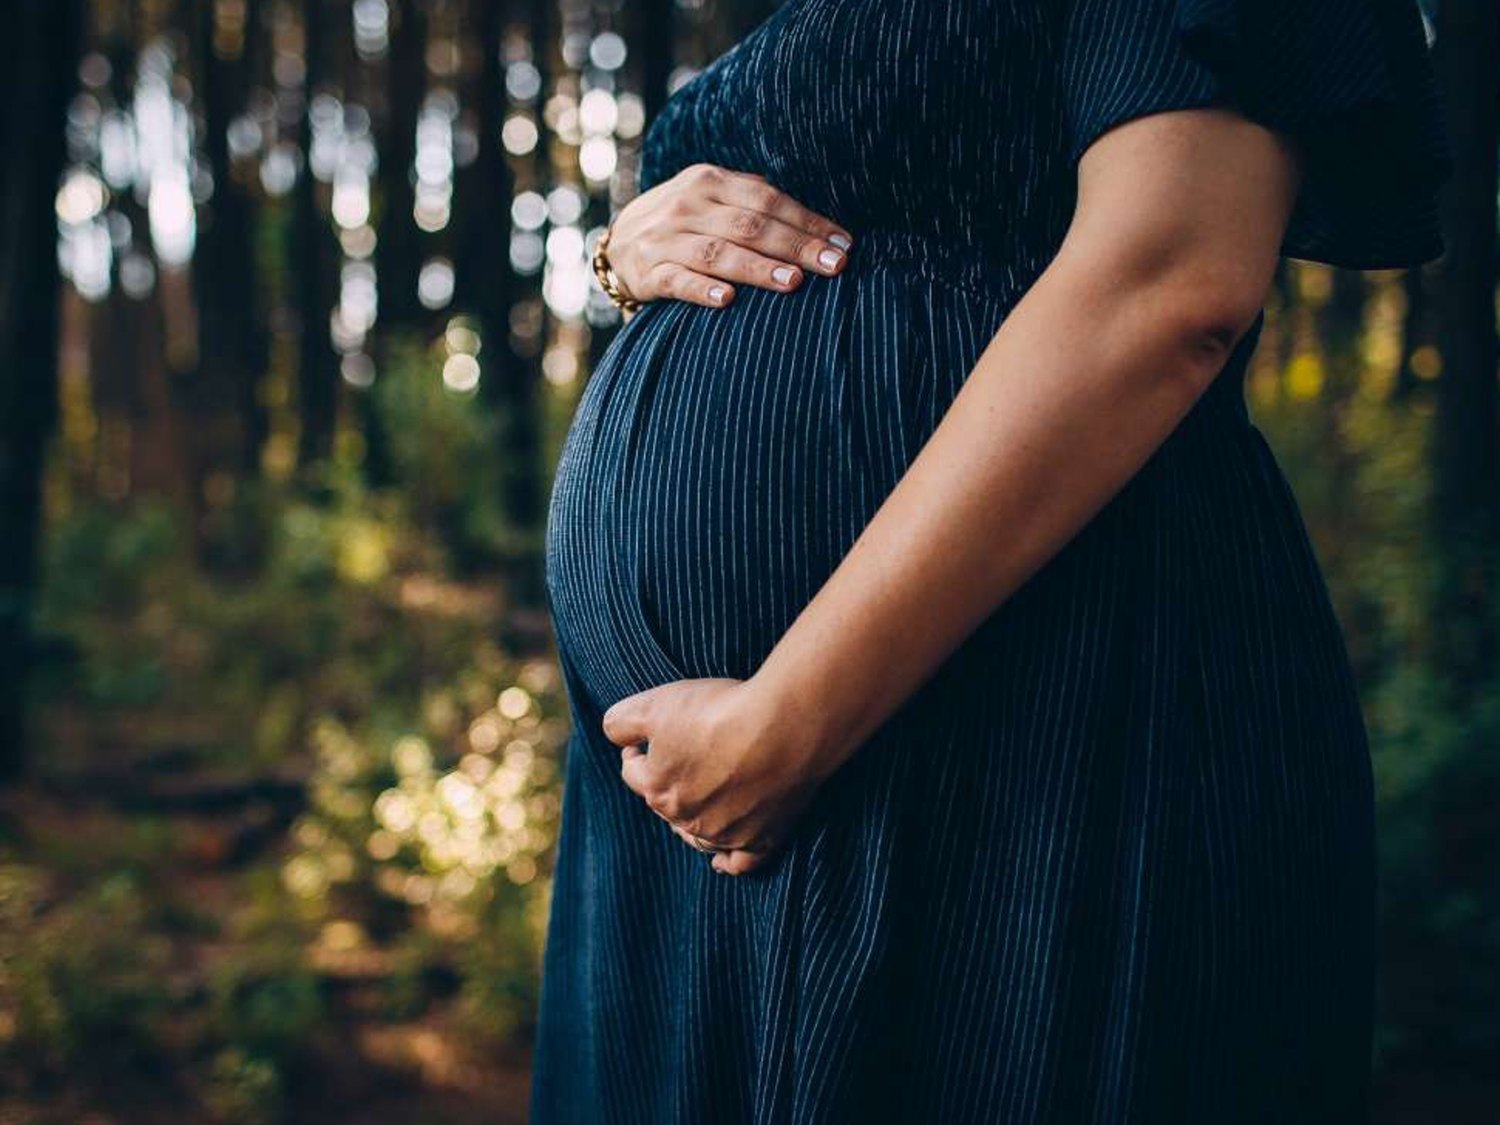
(361,1068)
(155,966)
(369,1069)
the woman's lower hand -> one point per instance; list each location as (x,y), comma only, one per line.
(724,768)
(694,236)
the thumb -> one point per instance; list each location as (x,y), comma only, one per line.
(627,723)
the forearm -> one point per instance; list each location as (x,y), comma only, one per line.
(1084,380)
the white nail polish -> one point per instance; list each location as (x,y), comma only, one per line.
(716,293)
(782,275)
(829,259)
(839,240)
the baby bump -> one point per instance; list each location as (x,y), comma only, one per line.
(723,461)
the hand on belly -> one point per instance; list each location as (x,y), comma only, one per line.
(724,768)
(695,235)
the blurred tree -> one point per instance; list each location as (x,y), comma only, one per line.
(1415,329)
(527,329)
(126,375)
(225,423)
(399,253)
(313,258)
(484,278)
(38,61)
(1468,425)
(654,42)
(486,281)
(750,13)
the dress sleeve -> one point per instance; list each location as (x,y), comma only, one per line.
(1351,81)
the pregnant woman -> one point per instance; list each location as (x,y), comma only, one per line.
(962,731)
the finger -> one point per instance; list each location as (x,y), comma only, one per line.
(738,862)
(775,238)
(628,721)
(672,279)
(636,770)
(754,193)
(726,259)
(689,839)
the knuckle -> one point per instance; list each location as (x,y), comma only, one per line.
(801,245)
(710,250)
(749,224)
(668,802)
(663,277)
(765,197)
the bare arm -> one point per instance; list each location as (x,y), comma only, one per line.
(1178,226)
(1166,264)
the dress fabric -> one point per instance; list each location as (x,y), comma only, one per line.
(1114,861)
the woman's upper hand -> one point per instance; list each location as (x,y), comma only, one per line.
(695,236)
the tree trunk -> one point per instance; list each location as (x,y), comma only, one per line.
(508,385)
(1467,393)
(40,53)
(1465,456)
(313,258)
(399,249)
(751,13)
(220,401)
(654,43)
(1414,331)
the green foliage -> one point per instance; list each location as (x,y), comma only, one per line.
(100,557)
(500,966)
(1360,469)
(269,1006)
(245,1089)
(446,451)
(351,657)
(446,833)
(83,980)
(102,561)
(321,627)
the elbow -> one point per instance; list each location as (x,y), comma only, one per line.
(1183,287)
(1207,323)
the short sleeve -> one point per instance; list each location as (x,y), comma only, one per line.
(1351,81)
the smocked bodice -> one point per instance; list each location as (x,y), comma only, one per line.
(951,159)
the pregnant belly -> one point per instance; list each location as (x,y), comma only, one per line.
(722,461)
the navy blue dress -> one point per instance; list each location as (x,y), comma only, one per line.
(1113,862)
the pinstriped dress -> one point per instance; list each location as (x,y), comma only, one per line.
(1113,862)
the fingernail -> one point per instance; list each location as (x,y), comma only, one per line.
(840,240)
(716,293)
(830,259)
(782,275)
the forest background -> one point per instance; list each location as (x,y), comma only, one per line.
(295,307)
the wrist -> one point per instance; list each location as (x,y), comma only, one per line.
(610,281)
(802,720)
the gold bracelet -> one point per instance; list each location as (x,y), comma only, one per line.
(609,281)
